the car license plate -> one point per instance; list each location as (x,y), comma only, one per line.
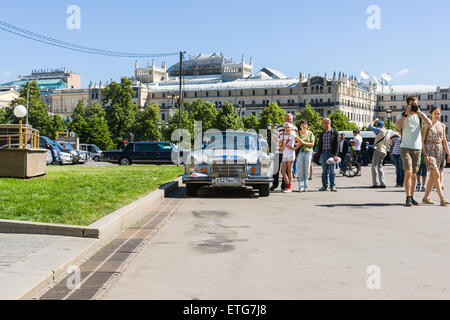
(228,181)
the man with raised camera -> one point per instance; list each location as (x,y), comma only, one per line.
(411,146)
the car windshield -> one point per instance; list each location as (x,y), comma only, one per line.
(56,143)
(67,145)
(96,148)
(230,141)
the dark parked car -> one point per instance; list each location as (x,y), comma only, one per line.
(141,152)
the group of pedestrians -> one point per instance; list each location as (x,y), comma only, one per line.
(417,137)
(295,146)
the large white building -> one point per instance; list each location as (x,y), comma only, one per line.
(217,79)
(392,101)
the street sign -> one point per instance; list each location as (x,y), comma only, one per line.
(72,134)
(125,141)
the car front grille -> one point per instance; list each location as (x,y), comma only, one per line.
(228,170)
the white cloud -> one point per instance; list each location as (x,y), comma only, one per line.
(402,72)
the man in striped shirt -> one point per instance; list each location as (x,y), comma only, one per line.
(278,135)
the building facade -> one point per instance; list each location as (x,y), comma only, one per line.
(392,101)
(7,95)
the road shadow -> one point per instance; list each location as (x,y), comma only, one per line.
(360,205)
(217,193)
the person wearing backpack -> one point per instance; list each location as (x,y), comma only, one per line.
(380,149)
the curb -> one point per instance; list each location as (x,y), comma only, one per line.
(104,227)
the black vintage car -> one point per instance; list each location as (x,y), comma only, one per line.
(142,152)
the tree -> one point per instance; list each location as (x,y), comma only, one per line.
(90,125)
(271,115)
(120,109)
(313,117)
(57,125)
(3,116)
(341,122)
(146,125)
(38,115)
(227,118)
(186,123)
(203,111)
(251,122)
(98,133)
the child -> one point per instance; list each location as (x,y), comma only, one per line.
(422,173)
(287,147)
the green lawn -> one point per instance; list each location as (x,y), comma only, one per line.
(79,195)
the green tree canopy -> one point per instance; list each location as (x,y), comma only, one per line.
(251,122)
(228,118)
(271,115)
(90,125)
(203,111)
(341,122)
(38,115)
(186,123)
(3,116)
(57,125)
(313,117)
(121,112)
(146,125)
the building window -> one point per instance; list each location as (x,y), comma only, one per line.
(153,95)
(290,91)
(163,95)
(218,93)
(254,92)
(195,94)
(229,93)
(278,91)
(265,92)
(206,93)
(184,94)
(329,89)
(242,93)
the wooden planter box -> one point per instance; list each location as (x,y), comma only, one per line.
(22,163)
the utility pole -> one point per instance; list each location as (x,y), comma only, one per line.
(28,98)
(180,99)
(180,104)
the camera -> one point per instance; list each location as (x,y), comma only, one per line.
(414,108)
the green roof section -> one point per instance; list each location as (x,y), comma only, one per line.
(50,84)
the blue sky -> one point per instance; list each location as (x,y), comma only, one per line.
(291,36)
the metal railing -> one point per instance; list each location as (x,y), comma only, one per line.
(18,136)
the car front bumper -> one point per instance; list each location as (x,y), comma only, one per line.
(248,181)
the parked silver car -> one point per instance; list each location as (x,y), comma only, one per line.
(229,159)
(92,150)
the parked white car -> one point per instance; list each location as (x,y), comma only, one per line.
(66,158)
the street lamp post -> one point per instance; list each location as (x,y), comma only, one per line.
(389,117)
(20,112)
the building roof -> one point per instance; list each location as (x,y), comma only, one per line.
(226,85)
(273,73)
(47,84)
(406,89)
(203,64)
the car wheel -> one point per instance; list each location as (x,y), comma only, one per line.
(124,162)
(191,190)
(264,190)
(96,158)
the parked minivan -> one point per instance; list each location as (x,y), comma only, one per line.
(92,150)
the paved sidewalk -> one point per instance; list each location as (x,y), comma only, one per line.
(27,260)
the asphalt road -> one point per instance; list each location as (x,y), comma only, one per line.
(316,245)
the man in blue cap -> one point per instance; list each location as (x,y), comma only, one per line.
(380,149)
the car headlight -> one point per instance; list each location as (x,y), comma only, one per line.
(264,160)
